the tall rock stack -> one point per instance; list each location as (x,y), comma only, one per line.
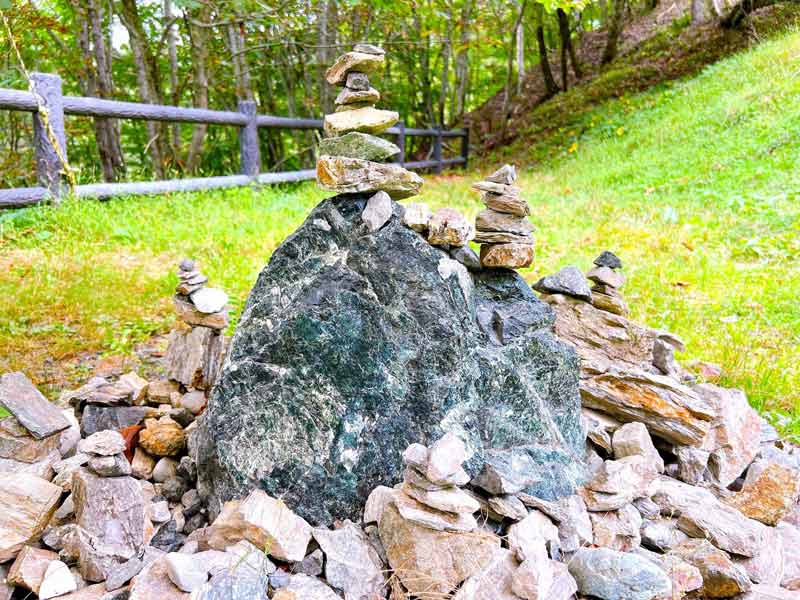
(503,231)
(351,151)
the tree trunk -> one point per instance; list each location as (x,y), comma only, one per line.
(172,49)
(148,81)
(520,42)
(565,33)
(323,59)
(462,60)
(241,68)
(510,63)
(614,32)
(198,46)
(544,62)
(445,78)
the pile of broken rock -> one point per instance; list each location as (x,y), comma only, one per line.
(689,494)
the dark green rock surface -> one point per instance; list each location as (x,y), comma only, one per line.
(352,346)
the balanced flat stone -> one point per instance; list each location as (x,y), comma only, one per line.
(507,174)
(569,280)
(21,398)
(502,237)
(507,203)
(363,62)
(509,256)
(355,319)
(608,259)
(352,175)
(357,81)
(365,120)
(348,96)
(490,220)
(358,145)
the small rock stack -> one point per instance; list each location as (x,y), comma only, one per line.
(349,155)
(607,280)
(504,232)
(197,346)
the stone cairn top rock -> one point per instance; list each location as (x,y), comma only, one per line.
(504,232)
(197,304)
(350,155)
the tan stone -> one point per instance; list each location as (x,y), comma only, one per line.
(188,313)
(194,356)
(503,237)
(416,215)
(430,563)
(451,500)
(491,220)
(511,204)
(533,579)
(27,503)
(352,175)
(351,563)
(97,591)
(721,578)
(153,583)
(448,226)
(417,512)
(493,581)
(495,188)
(352,61)
(17,444)
(509,256)
(163,437)
(160,391)
(29,568)
(364,120)
(618,530)
(143,464)
(265,522)
(770,496)
(612,303)
(348,96)
(724,526)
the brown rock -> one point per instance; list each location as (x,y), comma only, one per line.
(188,313)
(493,581)
(606,276)
(34,412)
(496,188)
(735,437)
(163,437)
(352,175)
(669,409)
(618,530)
(421,514)
(194,356)
(509,256)
(491,220)
(153,583)
(111,514)
(429,563)
(17,444)
(451,500)
(29,568)
(352,61)
(160,391)
(143,464)
(510,204)
(613,303)
(26,504)
(721,578)
(770,496)
(447,226)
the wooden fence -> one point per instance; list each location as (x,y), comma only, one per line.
(50,131)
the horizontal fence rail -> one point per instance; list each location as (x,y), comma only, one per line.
(50,127)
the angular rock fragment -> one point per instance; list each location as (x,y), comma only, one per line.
(351,563)
(348,96)
(101,418)
(569,281)
(490,220)
(508,256)
(509,203)
(377,212)
(529,538)
(351,175)
(608,259)
(17,444)
(493,581)
(790,537)
(26,504)
(153,583)
(572,517)
(110,466)
(429,562)
(495,188)
(533,579)
(633,439)
(617,530)
(27,404)
(507,174)
(189,314)
(362,62)
(770,496)
(417,216)
(364,120)
(29,568)
(452,500)
(445,457)
(662,535)
(768,565)
(102,443)
(194,356)
(612,575)
(466,256)
(447,226)
(725,527)
(209,300)
(606,276)
(721,578)
(58,580)
(358,145)
(692,463)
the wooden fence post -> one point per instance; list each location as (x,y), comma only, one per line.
(249,152)
(465,146)
(437,150)
(49,138)
(401,143)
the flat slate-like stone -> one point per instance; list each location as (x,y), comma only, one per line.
(363,62)
(325,344)
(348,96)
(358,145)
(613,575)
(569,280)
(491,220)
(21,398)
(366,120)
(352,176)
(26,504)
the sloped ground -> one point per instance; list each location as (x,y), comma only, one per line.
(655,48)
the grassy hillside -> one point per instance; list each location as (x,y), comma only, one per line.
(694,185)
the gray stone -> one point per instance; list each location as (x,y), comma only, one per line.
(724,526)
(417,347)
(377,211)
(27,404)
(348,96)
(110,466)
(311,565)
(662,535)
(495,188)
(165,469)
(569,512)
(194,356)
(507,174)
(606,277)
(692,463)
(103,443)
(466,256)
(354,176)
(357,81)
(365,119)
(569,281)
(358,145)
(351,563)
(185,571)
(503,237)
(493,581)
(234,586)
(124,573)
(612,575)
(769,592)
(491,220)
(209,300)
(608,259)
(101,418)
(189,314)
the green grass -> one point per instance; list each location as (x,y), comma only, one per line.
(694,185)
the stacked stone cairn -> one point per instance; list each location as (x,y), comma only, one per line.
(688,494)
(350,154)
(607,280)
(504,232)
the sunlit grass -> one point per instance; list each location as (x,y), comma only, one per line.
(694,185)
